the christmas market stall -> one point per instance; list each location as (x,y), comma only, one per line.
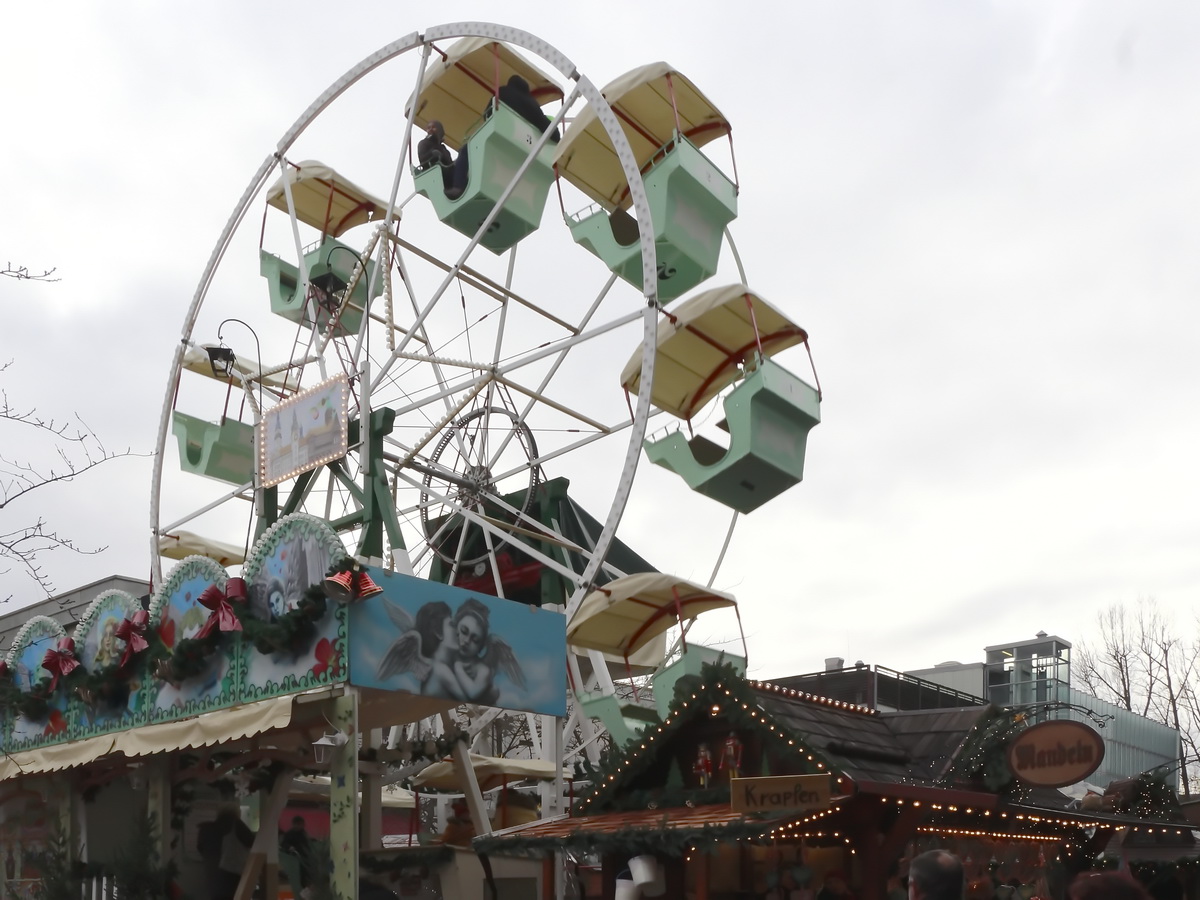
(235,705)
(751,789)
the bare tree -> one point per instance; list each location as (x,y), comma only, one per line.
(22,273)
(1143,665)
(74,449)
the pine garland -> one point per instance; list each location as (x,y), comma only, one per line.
(625,842)
(286,633)
(394,861)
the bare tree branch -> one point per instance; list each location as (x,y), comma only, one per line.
(1143,665)
(22,273)
(74,450)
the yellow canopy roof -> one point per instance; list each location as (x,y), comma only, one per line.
(490,771)
(182,544)
(457,88)
(642,101)
(195,359)
(392,796)
(702,344)
(628,612)
(217,727)
(324,199)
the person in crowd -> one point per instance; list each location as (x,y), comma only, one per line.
(980,889)
(236,840)
(1106,886)
(432,151)
(835,887)
(223,845)
(935,875)
(295,842)
(515,94)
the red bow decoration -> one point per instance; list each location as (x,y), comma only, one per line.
(223,617)
(60,662)
(132,632)
(3,669)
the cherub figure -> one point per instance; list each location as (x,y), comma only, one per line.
(480,655)
(424,649)
(452,656)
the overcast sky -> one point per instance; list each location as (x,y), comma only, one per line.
(985,214)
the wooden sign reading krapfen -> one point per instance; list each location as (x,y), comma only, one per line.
(779,792)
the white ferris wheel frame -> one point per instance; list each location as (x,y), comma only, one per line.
(583,87)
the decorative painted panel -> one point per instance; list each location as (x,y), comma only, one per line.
(284,577)
(177,615)
(24,661)
(103,641)
(436,640)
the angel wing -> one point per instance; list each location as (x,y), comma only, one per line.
(399,615)
(500,658)
(404,656)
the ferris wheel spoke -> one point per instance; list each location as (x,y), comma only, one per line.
(435,366)
(475,279)
(542,352)
(568,448)
(554,367)
(495,566)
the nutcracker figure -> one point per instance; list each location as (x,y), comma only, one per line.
(703,768)
(731,757)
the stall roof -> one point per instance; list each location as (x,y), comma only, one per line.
(642,100)
(490,771)
(557,832)
(325,199)
(217,727)
(703,343)
(393,796)
(461,82)
(626,613)
(182,544)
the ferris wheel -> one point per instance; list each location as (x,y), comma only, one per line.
(421,356)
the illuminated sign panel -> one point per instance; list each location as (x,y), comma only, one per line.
(779,793)
(1056,754)
(304,432)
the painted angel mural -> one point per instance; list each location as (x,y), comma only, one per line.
(451,654)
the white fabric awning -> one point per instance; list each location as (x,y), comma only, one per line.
(703,343)
(196,359)
(217,727)
(490,771)
(182,544)
(642,100)
(392,796)
(627,612)
(457,88)
(324,199)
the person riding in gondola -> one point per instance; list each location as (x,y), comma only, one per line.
(517,97)
(432,151)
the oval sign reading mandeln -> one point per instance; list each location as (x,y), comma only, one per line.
(1056,754)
